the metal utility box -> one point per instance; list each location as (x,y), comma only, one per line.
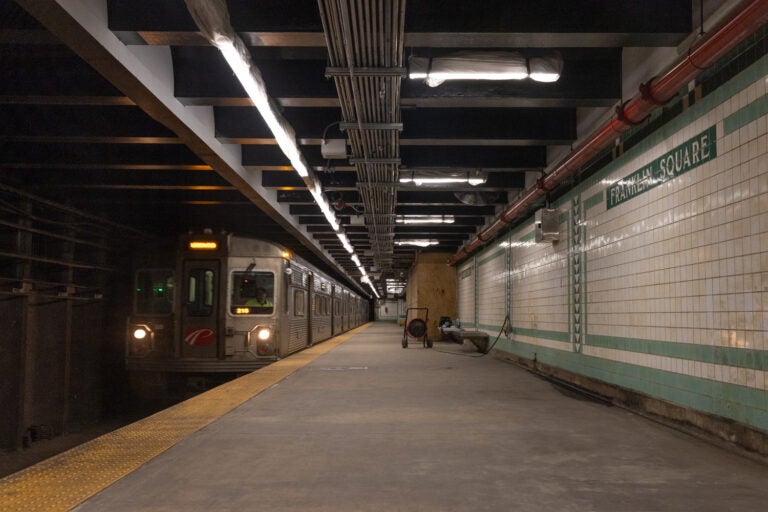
(546,225)
(334,149)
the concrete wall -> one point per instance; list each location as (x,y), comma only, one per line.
(658,285)
(432,285)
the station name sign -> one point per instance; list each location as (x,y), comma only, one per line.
(688,155)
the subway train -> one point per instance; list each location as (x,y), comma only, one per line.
(225,305)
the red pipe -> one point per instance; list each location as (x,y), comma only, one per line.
(652,94)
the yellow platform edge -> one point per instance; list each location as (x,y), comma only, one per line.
(64,481)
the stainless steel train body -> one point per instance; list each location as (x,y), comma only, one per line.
(204,315)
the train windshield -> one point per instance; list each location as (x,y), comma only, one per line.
(252,293)
(154,291)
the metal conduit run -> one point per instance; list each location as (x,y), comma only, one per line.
(652,95)
(365,39)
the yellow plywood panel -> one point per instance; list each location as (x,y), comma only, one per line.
(432,284)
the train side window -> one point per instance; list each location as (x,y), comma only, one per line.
(200,292)
(154,292)
(298,302)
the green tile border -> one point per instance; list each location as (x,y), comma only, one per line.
(752,359)
(728,356)
(593,200)
(547,335)
(498,253)
(734,86)
(746,115)
(747,405)
(740,403)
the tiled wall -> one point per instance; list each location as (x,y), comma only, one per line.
(491,297)
(665,291)
(466,294)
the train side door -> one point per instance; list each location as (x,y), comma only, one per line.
(200,309)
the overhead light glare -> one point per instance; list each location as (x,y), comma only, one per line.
(438,177)
(417,243)
(250,78)
(485,66)
(546,68)
(324,207)
(425,219)
(345,242)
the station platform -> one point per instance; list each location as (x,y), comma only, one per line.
(358,423)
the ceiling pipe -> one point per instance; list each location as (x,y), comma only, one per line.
(652,94)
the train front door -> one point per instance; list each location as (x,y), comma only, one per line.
(200,310)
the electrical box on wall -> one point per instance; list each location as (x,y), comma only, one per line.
(546,225)
(334,149)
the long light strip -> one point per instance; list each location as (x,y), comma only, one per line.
(260,99)
(425,219)
(324,206)
(417,243)
(347,245)
(258,95)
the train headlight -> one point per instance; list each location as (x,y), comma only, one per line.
(263,334)
(141,340)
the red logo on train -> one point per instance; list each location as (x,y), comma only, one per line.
(199,337)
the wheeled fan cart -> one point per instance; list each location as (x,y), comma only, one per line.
(416,327)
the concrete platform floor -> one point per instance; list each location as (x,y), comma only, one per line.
(371,426)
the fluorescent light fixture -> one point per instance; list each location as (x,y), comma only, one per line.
(345,242)
(254,87)
(362,270)
(442,176)
(324,207)
(417,243)
(356,260)
(424,219)
(546,68)
(504,65)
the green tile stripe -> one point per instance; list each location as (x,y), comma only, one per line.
(487,327)
(593,200)
(746,115)
(492,257)
(733,87)
(747,405)
(527,237)
(547,335)
(728,356)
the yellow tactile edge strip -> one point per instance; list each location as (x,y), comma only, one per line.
(66,480)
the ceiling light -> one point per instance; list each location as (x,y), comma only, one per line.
(485,66)
(417,243)
(421,177)
(324,207)
(345,242)
(546,68)
(425,219)
(251,80)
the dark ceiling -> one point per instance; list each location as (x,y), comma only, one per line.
(82,126)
